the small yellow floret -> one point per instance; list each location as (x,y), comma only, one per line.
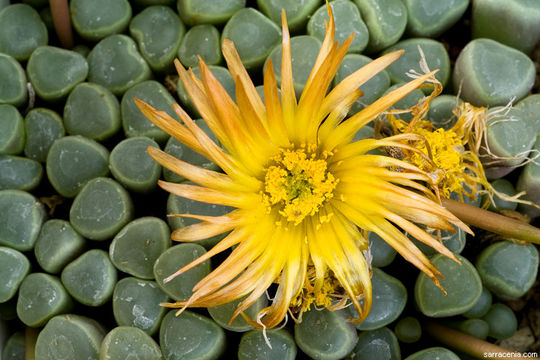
(444,157)
(445,149)
(299,182)
(326,295)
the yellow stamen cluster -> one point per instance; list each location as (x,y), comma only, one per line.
(323,296)
(445,150)
(449,157)
(298,182)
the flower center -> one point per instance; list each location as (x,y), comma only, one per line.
(446,151)
(298,183)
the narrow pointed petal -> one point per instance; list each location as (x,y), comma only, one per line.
(388,175)
(201,176)
(224,161)
(421,235)
(253,122)
(234,216)
(328,43)
(197,95)
(362,279)
(200,231)
(288,96)
(361,147)
(406,180)
(290,281)
(264,270)
(273,315)
(243,145)
(408,204)
(371,160)
(414,212)
(393,237)
(336,116)
(349,268)
(274,112)
(314,93)
(234,199)
(230,240)
(166,123)
(257,279)
(245,253)
(346,130)
(239,72)
(357,79)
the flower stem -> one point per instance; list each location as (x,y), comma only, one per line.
(62,22)
(30,338)
(490,221)
(467,344)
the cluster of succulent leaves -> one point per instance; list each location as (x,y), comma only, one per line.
(84,246)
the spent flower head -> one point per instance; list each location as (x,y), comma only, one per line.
(452,157)
(305,193)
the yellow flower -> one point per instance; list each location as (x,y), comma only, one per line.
(471,128)
(444,156)
(304,194)
(451,157)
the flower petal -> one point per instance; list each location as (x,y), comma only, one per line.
(196,92)
(241,76)
(200,231)
(392,236)
(274,112)
(201,176)
(288,96)
(338,113)
(308,121)
(350,268)
(346,130)
(166,123)
(231,166)
(326,47)
(362,146)
(254,125)
(211,196)
(243,145)
(232,239)
(357,79)
(421,235)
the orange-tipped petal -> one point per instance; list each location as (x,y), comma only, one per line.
(328,43)
(195,90)
(288,96)
(229,198)
(357,79)
(274,112)
(230,240)
(231,166)
(204,177)
(241,76)
(165,122)
(346,130)
(200,231)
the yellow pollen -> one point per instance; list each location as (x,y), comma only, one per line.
(322,296)
(298,183)
(446,151)
(326,218)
